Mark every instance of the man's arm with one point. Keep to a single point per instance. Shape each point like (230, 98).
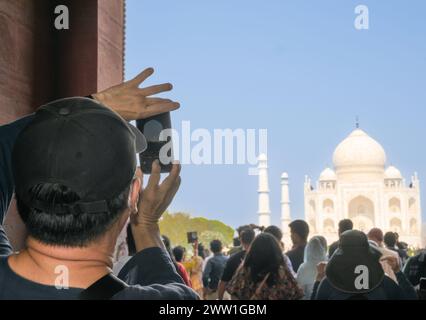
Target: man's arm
(221, 289)
(206, 274)
(5, 247)
(151, 266)
(407, 288)
(8, 135)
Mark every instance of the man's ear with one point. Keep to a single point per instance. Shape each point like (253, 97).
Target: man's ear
(134, 194)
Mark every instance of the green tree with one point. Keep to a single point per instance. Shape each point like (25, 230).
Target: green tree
(177, 225)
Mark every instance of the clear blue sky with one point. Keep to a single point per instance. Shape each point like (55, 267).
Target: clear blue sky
(298, 68)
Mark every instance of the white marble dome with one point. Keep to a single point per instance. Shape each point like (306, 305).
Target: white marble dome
(328, 175)
(393, 173)
(359, 150)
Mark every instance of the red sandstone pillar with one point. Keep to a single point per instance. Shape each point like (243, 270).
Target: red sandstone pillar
(39, 63)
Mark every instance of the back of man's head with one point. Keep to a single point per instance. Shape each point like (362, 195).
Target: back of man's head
(216, 246)
(178, 253)
(242, 228)
(73, 167)
(275, 231)
(376, 235)
(68, 229)
(300, 228)
(390, 239)
(201, 251)
(247, 237)
(345, 225)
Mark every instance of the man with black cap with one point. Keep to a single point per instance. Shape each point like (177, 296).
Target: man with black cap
(355, 273)
(74, 169)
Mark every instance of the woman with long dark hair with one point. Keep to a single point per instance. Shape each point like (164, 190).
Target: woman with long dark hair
(264, 275)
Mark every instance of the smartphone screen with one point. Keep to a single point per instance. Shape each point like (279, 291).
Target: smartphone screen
(160, 147)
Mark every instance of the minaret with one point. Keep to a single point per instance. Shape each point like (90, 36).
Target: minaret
(285, 209)
(264, 210)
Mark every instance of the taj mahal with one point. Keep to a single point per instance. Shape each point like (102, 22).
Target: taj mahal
(360, 186)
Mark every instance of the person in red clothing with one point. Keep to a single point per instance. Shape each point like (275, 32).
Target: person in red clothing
(179, 254)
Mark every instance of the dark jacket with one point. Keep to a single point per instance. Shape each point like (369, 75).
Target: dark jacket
(387, 290)
(415, 268)
(8, 134)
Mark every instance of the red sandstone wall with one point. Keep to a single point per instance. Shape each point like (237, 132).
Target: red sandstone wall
(111, 27)
(16, 54)
(39, 63)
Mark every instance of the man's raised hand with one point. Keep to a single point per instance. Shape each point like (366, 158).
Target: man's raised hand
(156, 197)
(132, 102)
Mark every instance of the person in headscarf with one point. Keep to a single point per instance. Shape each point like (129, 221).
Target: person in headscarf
(315, 253)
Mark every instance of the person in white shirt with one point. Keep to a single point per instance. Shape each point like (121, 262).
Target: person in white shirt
(375, 238)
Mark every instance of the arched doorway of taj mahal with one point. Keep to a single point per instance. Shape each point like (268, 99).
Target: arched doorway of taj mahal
(361, 212)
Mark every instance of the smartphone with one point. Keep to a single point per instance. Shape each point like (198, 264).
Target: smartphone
(159, 142)
(192, 237)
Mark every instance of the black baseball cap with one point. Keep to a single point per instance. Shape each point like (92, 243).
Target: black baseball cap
(81, 144)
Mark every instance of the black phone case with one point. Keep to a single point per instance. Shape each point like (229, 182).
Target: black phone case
(154, 146)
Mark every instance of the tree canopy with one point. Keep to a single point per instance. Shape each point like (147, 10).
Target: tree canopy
(177, 225)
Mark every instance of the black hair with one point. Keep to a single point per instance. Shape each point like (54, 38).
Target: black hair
(345, 225)
(242, 228)
(264, 256)
(275, 231)
(247, 236)
(69, 230)
(390, 239)
(178, 252)
(167, 244)
(201, 251)
(301, 228)
(216, 246)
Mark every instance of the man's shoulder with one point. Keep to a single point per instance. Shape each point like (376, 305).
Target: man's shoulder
(325, 289)
(219, 257)
(416, 261)
(386, 251)
(237, 256)
(171, 291)
(11, 130)
(235, 259)
(295, 251)
(334, 245)
(290, 253)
